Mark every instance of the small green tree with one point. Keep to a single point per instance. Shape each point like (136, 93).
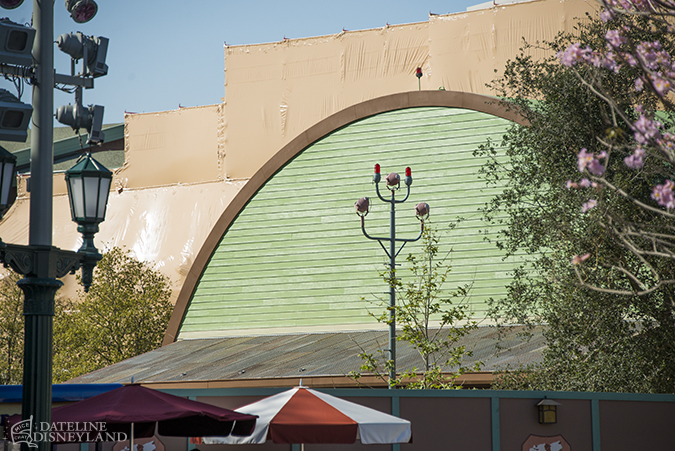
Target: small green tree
(11, 329)
(124, 314)
(430, 320)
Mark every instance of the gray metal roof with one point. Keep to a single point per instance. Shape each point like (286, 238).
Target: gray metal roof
(306, 355)
(68, 146)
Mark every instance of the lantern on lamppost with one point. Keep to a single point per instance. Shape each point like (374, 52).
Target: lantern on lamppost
(362, 206)
(88, 189)
(28, 53)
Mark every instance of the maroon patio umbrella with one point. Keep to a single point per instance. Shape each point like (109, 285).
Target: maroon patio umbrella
(140, 409)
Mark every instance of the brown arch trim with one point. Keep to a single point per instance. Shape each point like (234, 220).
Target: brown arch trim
(449, 99)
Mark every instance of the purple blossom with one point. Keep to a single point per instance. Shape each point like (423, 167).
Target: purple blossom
(630, 59)
(576, 260)
(661, 85)
(653, 56)
(596, 168)
(584, 158)
(614, 38)
(646, 129)
(592, 203)
(667, 141)
(574, 54)
(639, 84)
(606, 15)
(633, 161)
(587, 160)
(663, 194)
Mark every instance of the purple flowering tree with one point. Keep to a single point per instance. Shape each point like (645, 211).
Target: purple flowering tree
(634, 47)
(584, 200)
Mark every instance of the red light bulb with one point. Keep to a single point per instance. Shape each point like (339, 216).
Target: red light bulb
(377, 168)
(408, 172)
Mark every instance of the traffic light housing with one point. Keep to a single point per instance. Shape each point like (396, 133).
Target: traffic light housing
(93, 51)
(14, 117)
(16, 43)
(89, 118)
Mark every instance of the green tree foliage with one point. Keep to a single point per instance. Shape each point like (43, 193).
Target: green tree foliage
(124, 314)
(428, 319)
(609, 321)
(11, 330)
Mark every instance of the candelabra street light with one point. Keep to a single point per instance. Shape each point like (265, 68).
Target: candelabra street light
(362, 206)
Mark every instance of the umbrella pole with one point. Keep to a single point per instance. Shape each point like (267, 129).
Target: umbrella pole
(131, 438)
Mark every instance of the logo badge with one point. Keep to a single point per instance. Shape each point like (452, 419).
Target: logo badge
(21, 432)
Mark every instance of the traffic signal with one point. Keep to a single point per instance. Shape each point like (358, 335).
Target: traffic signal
(89, 118)
(93, 51)
(14, 117)
(16, 43)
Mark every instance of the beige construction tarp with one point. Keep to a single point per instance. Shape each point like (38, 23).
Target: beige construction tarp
(184, 166)
(275, 91)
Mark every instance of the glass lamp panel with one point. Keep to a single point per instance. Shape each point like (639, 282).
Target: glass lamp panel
(7, 173)
(90, 196)
(548, 414)
(103, 192)
(77, 196)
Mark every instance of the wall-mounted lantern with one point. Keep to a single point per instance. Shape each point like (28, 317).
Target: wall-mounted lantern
(548, 411)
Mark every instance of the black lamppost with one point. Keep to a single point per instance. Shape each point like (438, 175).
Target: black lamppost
(362, 206)
(41, 263)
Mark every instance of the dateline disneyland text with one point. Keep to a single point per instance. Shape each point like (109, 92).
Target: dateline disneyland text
(63, 432)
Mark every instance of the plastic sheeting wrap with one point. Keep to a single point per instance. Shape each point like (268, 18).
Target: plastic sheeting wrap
(165, 226)
(276, 91)
(467, 48)
(180, 146)
(183, 167)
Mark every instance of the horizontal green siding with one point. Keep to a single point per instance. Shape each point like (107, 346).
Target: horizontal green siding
(296, 256)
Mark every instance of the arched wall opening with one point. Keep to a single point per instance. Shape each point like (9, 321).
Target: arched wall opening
(287, 255)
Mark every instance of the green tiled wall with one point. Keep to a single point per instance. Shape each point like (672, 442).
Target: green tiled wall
(296, 257)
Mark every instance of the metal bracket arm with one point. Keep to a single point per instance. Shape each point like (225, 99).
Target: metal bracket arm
(392, 200)
(71, 80)
(61, 79)
(380, 239)
(39, 261)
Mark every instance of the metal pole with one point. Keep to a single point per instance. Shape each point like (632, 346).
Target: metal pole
(42, 132)
(40, 286)
(362, 206)
(392, 292)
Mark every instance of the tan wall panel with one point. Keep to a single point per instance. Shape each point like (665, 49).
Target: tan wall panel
(467, 48)
(279, 90)
(276, 91)
(179, 146)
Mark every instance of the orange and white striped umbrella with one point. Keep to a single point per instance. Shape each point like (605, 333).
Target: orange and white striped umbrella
(303, 415)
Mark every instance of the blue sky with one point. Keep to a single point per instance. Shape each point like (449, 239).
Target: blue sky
(166, 53)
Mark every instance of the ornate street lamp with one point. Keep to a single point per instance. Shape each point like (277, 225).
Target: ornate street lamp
(362, 207)
(88, 189)
(41, 263)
